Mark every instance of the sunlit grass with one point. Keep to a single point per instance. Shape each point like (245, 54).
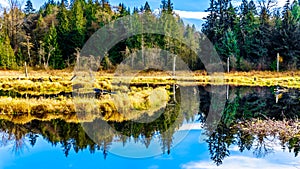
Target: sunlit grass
(118, 107)
(61, 81)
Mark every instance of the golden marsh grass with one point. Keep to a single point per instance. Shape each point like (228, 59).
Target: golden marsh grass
(61, 80)
(119, 107)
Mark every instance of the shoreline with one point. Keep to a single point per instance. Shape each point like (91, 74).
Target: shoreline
(61, 80)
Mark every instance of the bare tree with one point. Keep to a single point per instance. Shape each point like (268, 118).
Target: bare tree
(28, 45)
(41, 53)
(15, 19)
(46, 62)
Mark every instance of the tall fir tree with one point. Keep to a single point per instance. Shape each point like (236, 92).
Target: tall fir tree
(63, 31)
(167, 6)
(209, 27)
(289, 44)
(7, 56)
(28, 7)
(147, 7)
(52, 49)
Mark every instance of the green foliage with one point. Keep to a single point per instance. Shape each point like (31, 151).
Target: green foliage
(52, 48)
(76, 35)
(147, 7)
(167, 6)
(29, 7)
(230, 47)
(250, 35)
(257, 36)
(7, 57)
(231, 110)
(63, 31)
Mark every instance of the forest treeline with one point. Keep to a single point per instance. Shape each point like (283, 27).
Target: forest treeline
(251, 34)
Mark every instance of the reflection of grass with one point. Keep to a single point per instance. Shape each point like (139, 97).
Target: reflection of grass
(119, 107)
(149, 101)
(285, 129)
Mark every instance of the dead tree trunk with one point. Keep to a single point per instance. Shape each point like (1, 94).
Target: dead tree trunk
(26, 71)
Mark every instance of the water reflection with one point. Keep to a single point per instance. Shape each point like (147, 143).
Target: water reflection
(247, 103)
(242, 103)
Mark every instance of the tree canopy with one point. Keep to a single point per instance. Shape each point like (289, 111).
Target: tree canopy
(250, 34)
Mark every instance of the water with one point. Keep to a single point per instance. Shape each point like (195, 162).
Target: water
(169, 141)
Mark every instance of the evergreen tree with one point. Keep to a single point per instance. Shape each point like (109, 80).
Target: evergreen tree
(147, 7)
(77, 16)
(244, 7)
(91, 20)
(288, 46)
(122, 10)
(231, 17)
(221, 17)
(7, 57)
(209, 28)
(190, 56)
(63, 18)
(135, 10)
(63, 32)
(261, 46)
(167, 6)
(48, 8)
(90, 13)
(29, 7)
(247, 26)
(77, 33)
(231, 49)
(54, 57)
(252, 7)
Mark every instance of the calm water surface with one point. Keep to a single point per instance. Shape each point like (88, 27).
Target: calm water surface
(169, 141)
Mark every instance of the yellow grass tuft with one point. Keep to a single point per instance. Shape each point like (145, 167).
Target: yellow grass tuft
(119, 107)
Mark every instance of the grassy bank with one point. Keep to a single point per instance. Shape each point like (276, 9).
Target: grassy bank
(118, 107)
(61, 80)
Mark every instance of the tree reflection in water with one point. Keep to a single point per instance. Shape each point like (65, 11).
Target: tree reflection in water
(243, 104)
(73, 136)
(246, 104)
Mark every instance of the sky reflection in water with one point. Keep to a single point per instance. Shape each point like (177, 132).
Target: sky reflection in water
(191, 153)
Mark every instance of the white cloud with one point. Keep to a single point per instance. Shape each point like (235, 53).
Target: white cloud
(3, 3)
(156, 11)
(192, 126)
(237, 3)
(191, 14)
(240, 162)
(281, 3)
(275, 161)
